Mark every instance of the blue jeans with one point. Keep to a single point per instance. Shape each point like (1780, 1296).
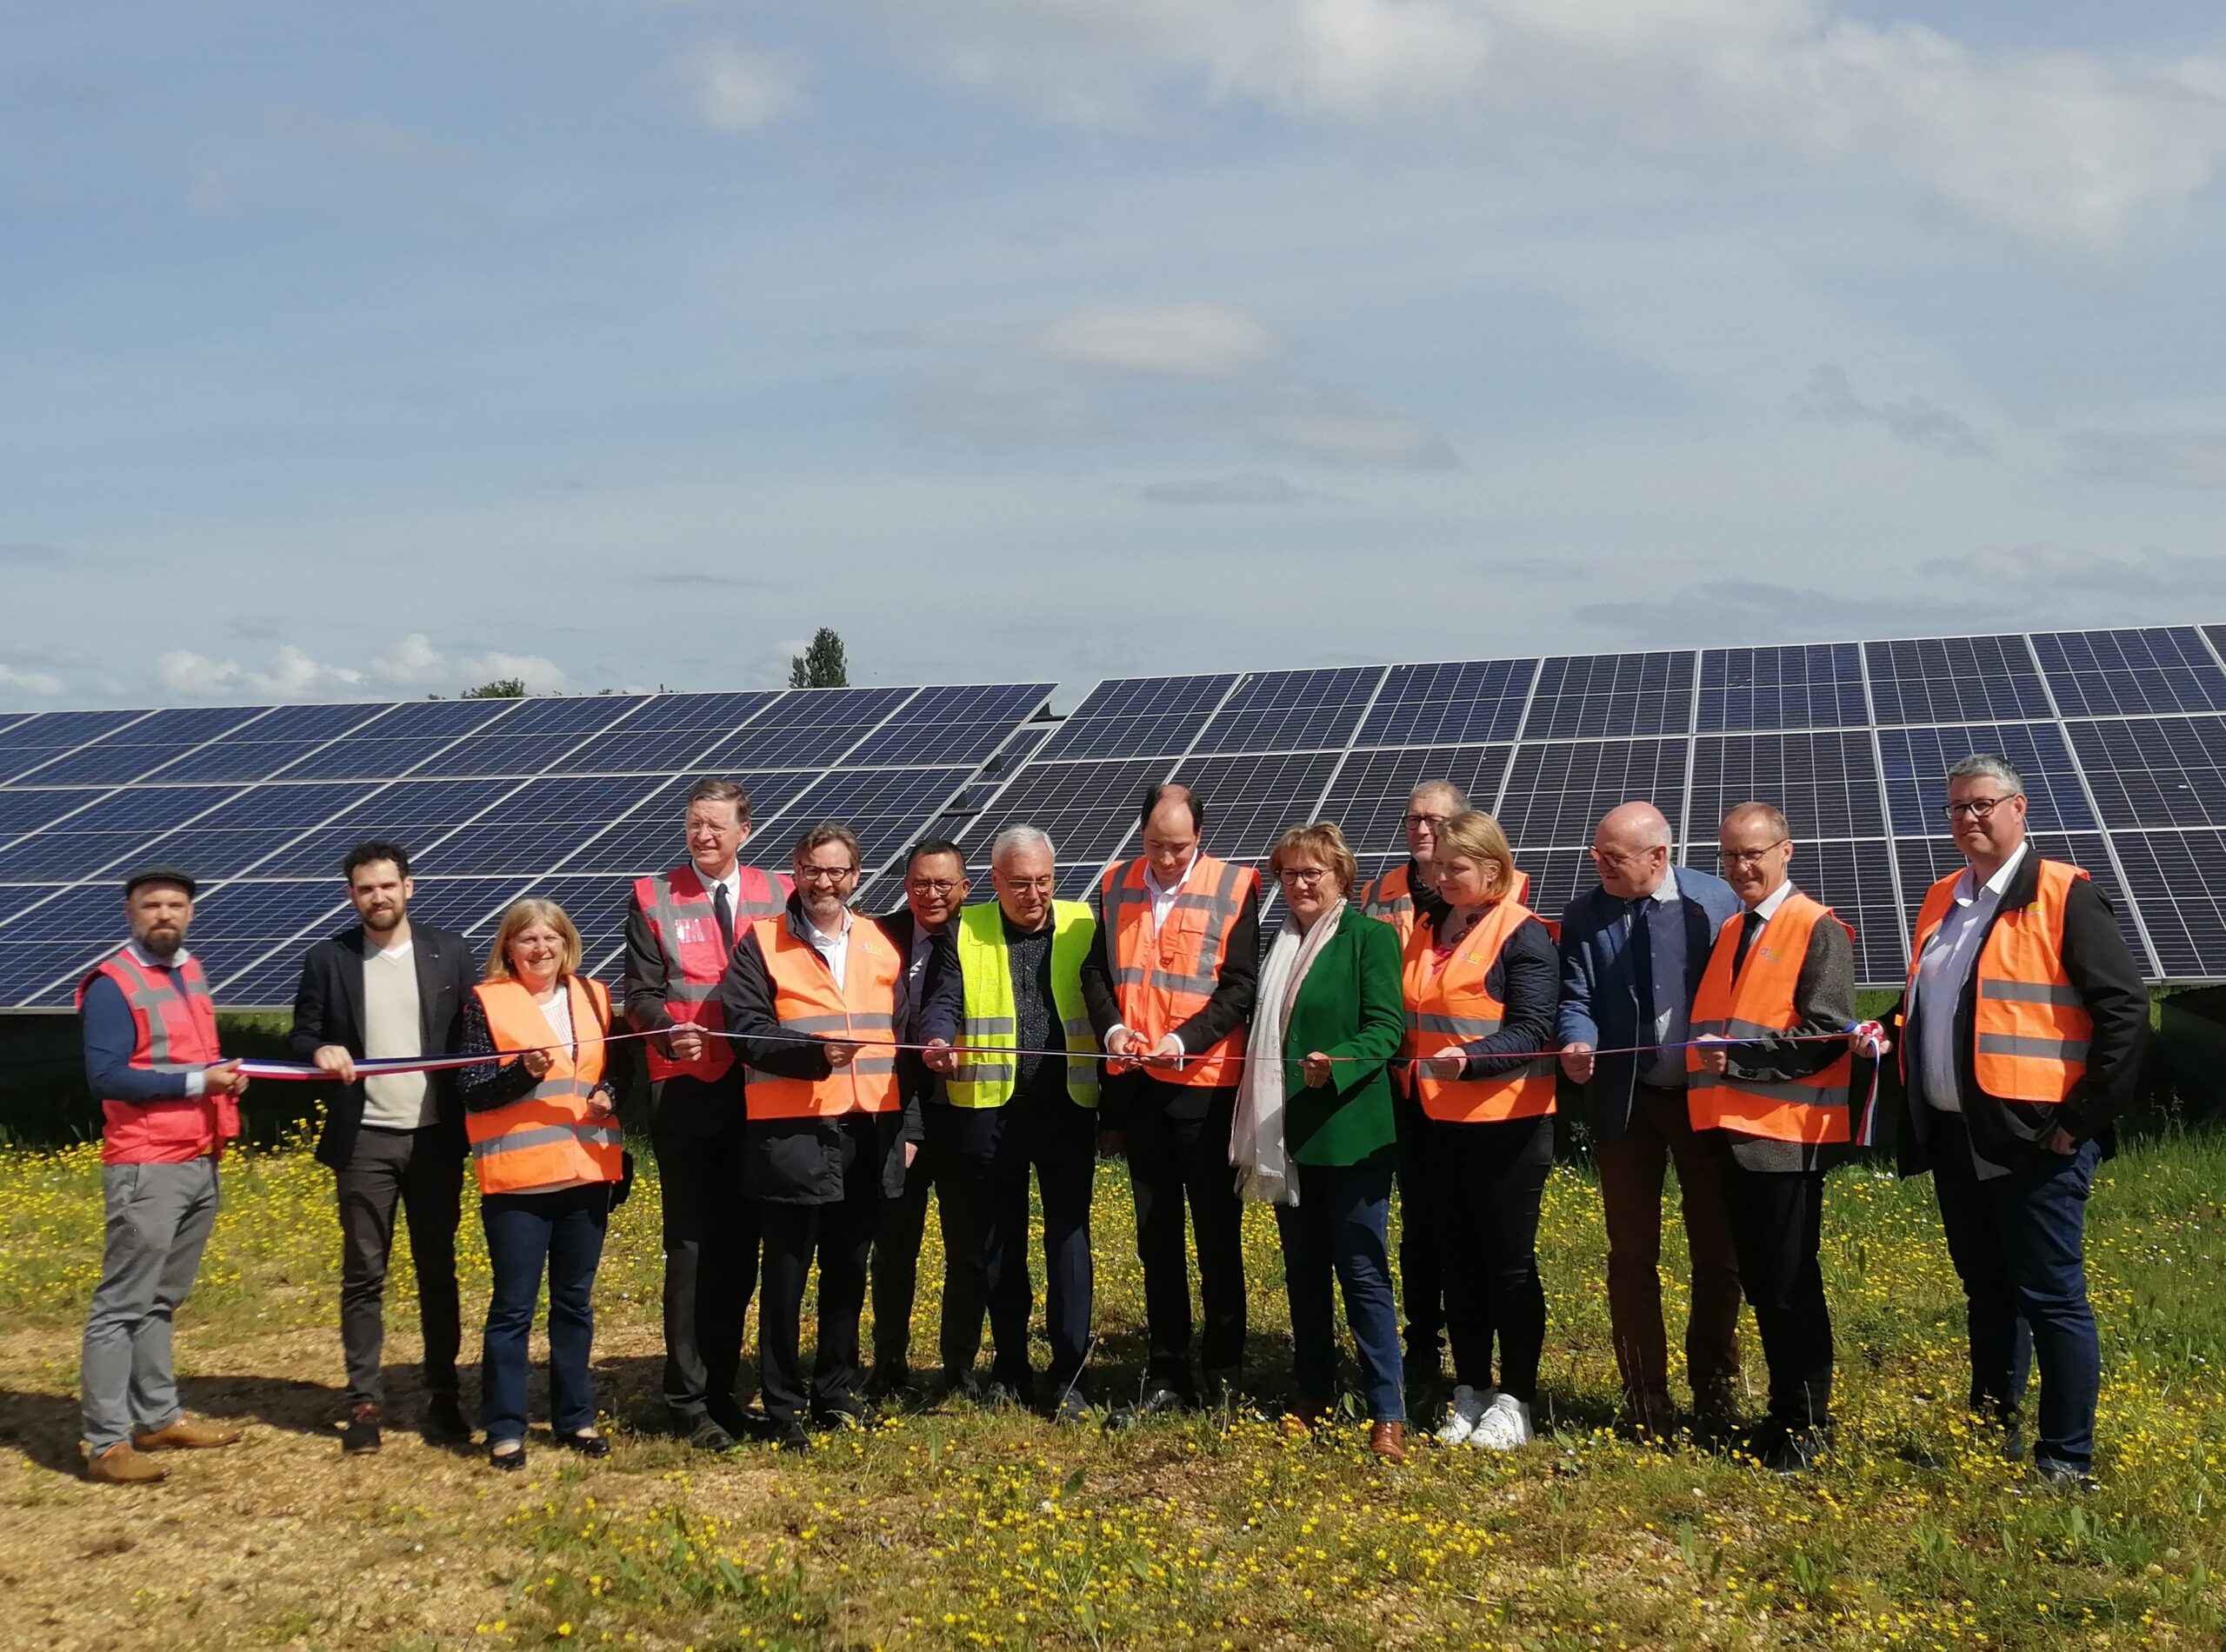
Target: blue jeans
(523, 1230)
(2019, 1245)
(1341, 1222)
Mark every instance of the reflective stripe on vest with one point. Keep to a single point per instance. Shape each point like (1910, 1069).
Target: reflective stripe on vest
(174, 1020)
(985, 969)
(545, 1138)
(1448, 1003)
(1162, 977)
(2029, 1026)
(685, 923)
(806, 1002)
(1390, 899)
(1758, 1004)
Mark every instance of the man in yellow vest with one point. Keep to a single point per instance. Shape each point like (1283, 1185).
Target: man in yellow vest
(1015, 1106)
(1782, 971)
(2021, 1026)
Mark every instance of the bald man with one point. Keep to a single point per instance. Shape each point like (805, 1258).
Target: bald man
(1633, 949)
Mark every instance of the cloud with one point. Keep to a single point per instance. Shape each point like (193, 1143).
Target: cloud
(43, 683)
(1340, 430)
(735, 89)
(1179, 341)
(1243, 488)
(2070, 150)
(27, 553)
(2158, 458)
(1828, 396)
(413, 663)
(293, 675)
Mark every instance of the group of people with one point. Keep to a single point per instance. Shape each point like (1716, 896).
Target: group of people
(819, 1077)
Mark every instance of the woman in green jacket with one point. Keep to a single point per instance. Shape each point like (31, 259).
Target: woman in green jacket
(1314, 1131)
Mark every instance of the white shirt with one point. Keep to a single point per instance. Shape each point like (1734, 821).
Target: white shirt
(835, 948)
(394, 1025)
(1944, 967)
(1163, 902)
(1665, 939)
(196, 1082)
(731, 883)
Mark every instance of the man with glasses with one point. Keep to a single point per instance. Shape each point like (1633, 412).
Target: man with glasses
(1767, 1090)
(936, 885)
(1632, 950)
(814, 998)
(2020, 1034)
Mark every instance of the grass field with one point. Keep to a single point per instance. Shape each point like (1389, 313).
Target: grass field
(955, 1528)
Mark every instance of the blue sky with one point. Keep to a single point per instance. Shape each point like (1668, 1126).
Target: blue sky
(371, 352)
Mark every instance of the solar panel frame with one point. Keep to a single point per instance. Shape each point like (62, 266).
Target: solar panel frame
(1251, 798)
(2150, 772)
(1916, 761)
(1138, 718)
(2128, 672)
(1369, 798)
(1620, 696)
(1825, 781)
(1449, 702)
(2178, 881)
(1801, 685)
(1954, 680)
(1552, 794)
(1291, 711)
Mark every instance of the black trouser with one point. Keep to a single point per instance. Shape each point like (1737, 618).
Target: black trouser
(841, 1234)
(1422, 1288)
(422, 1172)
(993, 1149)
(896, 1257)
(1776, 1225)
(1487, 1181)
(1174, 1157)
(711, 1239)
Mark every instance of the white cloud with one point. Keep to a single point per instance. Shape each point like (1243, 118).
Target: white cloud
(1243, 488)
(413, 663)
(735, 89)
(293, 676)
(42, 683)
(1178, 340)
(1341, 430)
(2158, 458)
(1828, 396)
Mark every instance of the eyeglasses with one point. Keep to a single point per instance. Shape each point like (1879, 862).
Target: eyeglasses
(1977, 807)
(1604, 857)
(1048, 881)
(1303, 874)
(934, 885)
(1431, 821)
(824, 874)
(1747, 856)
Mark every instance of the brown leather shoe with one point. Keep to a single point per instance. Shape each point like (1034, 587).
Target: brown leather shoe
(1388, 1441)
(188, 1434)
(121, 1465)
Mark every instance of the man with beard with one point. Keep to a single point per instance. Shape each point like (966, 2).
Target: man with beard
(386, 988)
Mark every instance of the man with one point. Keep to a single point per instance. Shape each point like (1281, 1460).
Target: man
(1771, 1097)
(383, 988)
(1402, 897)
(1021, 962)
(1633, 949)
(1168, 983)
(2022, 1028)
(814, 998)
(936, 885)
(169, 1104)
(681, 927)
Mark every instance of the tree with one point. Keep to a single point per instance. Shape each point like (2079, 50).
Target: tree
(503, 688)
(824, 665)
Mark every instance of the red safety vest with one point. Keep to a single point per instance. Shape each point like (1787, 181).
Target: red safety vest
(2030, 1025)
(1759, 1002)
(1448, 1003)
(806, 1000)
(546, 1138)
(176, 1021)
(1162, 977)
(681, 919)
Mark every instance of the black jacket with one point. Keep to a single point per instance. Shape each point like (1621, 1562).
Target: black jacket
(926, 986)
(799, 1160)
(329, 1010)
(2102, 970)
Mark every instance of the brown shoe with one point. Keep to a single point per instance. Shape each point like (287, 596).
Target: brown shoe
(188, 1434)
(1303, 1418)
(121, 1465)
(1388, 1441)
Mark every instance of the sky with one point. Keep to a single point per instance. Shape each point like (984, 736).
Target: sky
(373, 351)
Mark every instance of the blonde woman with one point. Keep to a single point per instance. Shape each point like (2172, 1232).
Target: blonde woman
(546, 1147)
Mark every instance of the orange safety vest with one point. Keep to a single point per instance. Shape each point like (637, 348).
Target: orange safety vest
(806, 1000)
(176, 1023)
(1757, 1003)
(1448, 1003)
(1391, 899)
(1162, 977)
(545, 1138)
(2030, 1025)
(678, 906)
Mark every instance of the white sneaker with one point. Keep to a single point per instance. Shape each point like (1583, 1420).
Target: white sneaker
(1461, 1416)
(1504, 1425)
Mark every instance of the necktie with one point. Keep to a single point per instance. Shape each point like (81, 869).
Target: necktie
(723, 909)
(1749, 927)
(1642, 946)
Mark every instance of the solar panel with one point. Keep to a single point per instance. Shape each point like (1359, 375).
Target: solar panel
(2112, 673)
(105, 834)
(1856, 880)
(1924, 861)
(1809, 686)
(1917, 760)
(882, 806)
(1291, 711)
(952, 724)
(536, 827)
(1250, 800)
(1612, 694)
(2156, 771)
(447, 718)
(364, 757)
(1454, 702)
(1088, 808)
(418, 813)
(2180, 880)
(247, 828)
(649, 838)
(1369, 798)
(1556, 794)
(1827, 784)
(1138, 718)
(1955, 679)
(1558, 876)
(26, 811)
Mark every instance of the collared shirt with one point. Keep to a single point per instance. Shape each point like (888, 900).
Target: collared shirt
(1947, 964)
(1665, 938)
(916, 966)
(197, 1081)
(1766, 908)
(1163, 895)
(835, 948)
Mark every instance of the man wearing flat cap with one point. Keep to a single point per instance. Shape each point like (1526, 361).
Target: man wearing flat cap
(169, 1104)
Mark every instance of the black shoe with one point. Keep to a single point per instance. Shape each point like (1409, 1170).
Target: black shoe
(838, 1415)
(965, 1386)
(887, 1380)
(444, 1422)
(1222, 1392)
(2061, 1476)
(708, 1435)
(1794, 1450)
(790, 1437)
(509, 1462)
(1158, 1401)
(587, 1445)
(363, 1435)
(1072, 1408)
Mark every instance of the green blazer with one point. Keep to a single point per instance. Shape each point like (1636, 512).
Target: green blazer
(1350, 1004)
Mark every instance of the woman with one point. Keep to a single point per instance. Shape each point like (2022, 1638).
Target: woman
(546, 1146)
(1314, 1131)
(1481, 980)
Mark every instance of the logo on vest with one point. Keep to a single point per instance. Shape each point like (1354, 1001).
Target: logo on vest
(694, 932)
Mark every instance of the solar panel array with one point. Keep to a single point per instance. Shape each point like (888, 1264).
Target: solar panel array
(2120, 735)
(572, 798)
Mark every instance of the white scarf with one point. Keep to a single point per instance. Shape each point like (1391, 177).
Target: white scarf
(1255, 1142)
